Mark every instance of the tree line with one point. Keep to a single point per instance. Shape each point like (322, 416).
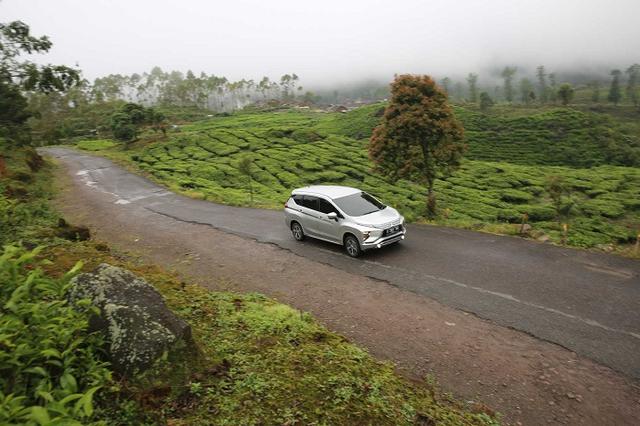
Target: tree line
(544, 89)
(175, 88)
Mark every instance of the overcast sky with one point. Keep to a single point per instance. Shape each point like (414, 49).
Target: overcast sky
(329, 40)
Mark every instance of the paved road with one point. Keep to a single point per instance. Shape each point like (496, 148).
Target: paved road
(586, 302)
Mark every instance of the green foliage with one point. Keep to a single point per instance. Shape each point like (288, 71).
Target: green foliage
(15, 40)
(633, 84)
(560, 193)
(24, 210)
(507, 75)
(565, 92)
(485, 102)
(127, 121)
(556, 136)
(418, 138)
(472, 80)
(49, 367)
(246, 166)
(18, 76)
(615, 94)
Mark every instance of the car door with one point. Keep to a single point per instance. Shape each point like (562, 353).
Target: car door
(328, 228)
(310, 215)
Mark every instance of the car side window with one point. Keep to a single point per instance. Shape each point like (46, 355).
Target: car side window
(310, 202)
(326, 207)
(298, 199)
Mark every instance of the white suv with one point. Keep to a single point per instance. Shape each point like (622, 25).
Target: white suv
(343, 215)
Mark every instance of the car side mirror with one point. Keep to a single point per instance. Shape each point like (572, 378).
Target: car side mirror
(333, 216)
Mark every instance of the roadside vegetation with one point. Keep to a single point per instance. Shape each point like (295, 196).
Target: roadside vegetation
(502, 183)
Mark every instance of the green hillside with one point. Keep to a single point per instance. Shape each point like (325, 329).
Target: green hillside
(510, 158)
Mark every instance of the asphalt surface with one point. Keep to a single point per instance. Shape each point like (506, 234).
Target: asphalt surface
(586, 302)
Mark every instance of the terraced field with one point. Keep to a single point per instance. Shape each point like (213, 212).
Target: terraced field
(292, 149)
(555, 137)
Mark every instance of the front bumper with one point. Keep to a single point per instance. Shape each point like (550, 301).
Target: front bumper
(384, 241)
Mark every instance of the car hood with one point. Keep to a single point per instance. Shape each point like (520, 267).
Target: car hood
(381, 219)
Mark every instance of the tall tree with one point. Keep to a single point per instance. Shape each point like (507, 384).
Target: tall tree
(614, 91)
(19, 76)
(565, 92)
(507, 75)
(633, 84)
(419, 137)
(595, 91)
(458, 92)
(245, 167)
(553, 89)
(472, 79)
(527, 94)
(543, 94)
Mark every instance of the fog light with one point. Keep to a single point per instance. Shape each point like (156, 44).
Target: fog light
(379, 245)
(365, 235)
(403, 237)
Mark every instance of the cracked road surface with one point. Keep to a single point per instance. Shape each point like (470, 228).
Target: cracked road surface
(586, 302)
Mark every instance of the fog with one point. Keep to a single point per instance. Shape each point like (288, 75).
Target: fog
(332, 42)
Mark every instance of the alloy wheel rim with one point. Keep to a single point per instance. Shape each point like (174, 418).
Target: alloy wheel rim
(351, 247)
(296, 232)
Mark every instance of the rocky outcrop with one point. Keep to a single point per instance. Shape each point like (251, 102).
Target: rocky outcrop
(138, 326)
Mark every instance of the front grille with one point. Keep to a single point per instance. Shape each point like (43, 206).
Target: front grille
(392, 230)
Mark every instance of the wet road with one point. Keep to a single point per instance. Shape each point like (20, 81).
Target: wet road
(586, 302)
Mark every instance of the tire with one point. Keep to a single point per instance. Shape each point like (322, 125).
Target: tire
(352, 246)
(297, 231)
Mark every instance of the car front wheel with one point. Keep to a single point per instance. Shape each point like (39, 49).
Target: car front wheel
(297, 231)
(352, 246)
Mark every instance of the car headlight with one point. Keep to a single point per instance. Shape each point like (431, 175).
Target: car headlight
(374, 235)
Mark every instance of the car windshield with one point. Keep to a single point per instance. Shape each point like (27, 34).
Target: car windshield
(359, 204)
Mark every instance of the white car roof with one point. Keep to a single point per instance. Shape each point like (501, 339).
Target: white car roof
(331, 191)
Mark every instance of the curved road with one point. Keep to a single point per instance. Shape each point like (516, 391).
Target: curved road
(586, 302)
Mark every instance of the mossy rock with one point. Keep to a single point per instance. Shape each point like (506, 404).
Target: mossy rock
(138, 326)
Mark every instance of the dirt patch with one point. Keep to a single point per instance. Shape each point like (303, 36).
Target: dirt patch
(530, 381)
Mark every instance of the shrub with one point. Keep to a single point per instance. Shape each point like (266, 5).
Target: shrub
(49, 367)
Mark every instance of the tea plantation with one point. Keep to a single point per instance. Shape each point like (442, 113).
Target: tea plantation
(511, 155)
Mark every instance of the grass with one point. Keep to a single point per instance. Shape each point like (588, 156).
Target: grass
(512, 152)
(261, 362)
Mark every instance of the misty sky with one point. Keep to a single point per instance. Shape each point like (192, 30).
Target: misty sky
(331, 41)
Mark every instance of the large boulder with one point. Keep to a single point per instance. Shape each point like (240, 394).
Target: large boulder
(138, 326)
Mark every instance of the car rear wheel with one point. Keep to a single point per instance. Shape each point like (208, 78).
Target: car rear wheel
(352, 246)
(296, 230)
